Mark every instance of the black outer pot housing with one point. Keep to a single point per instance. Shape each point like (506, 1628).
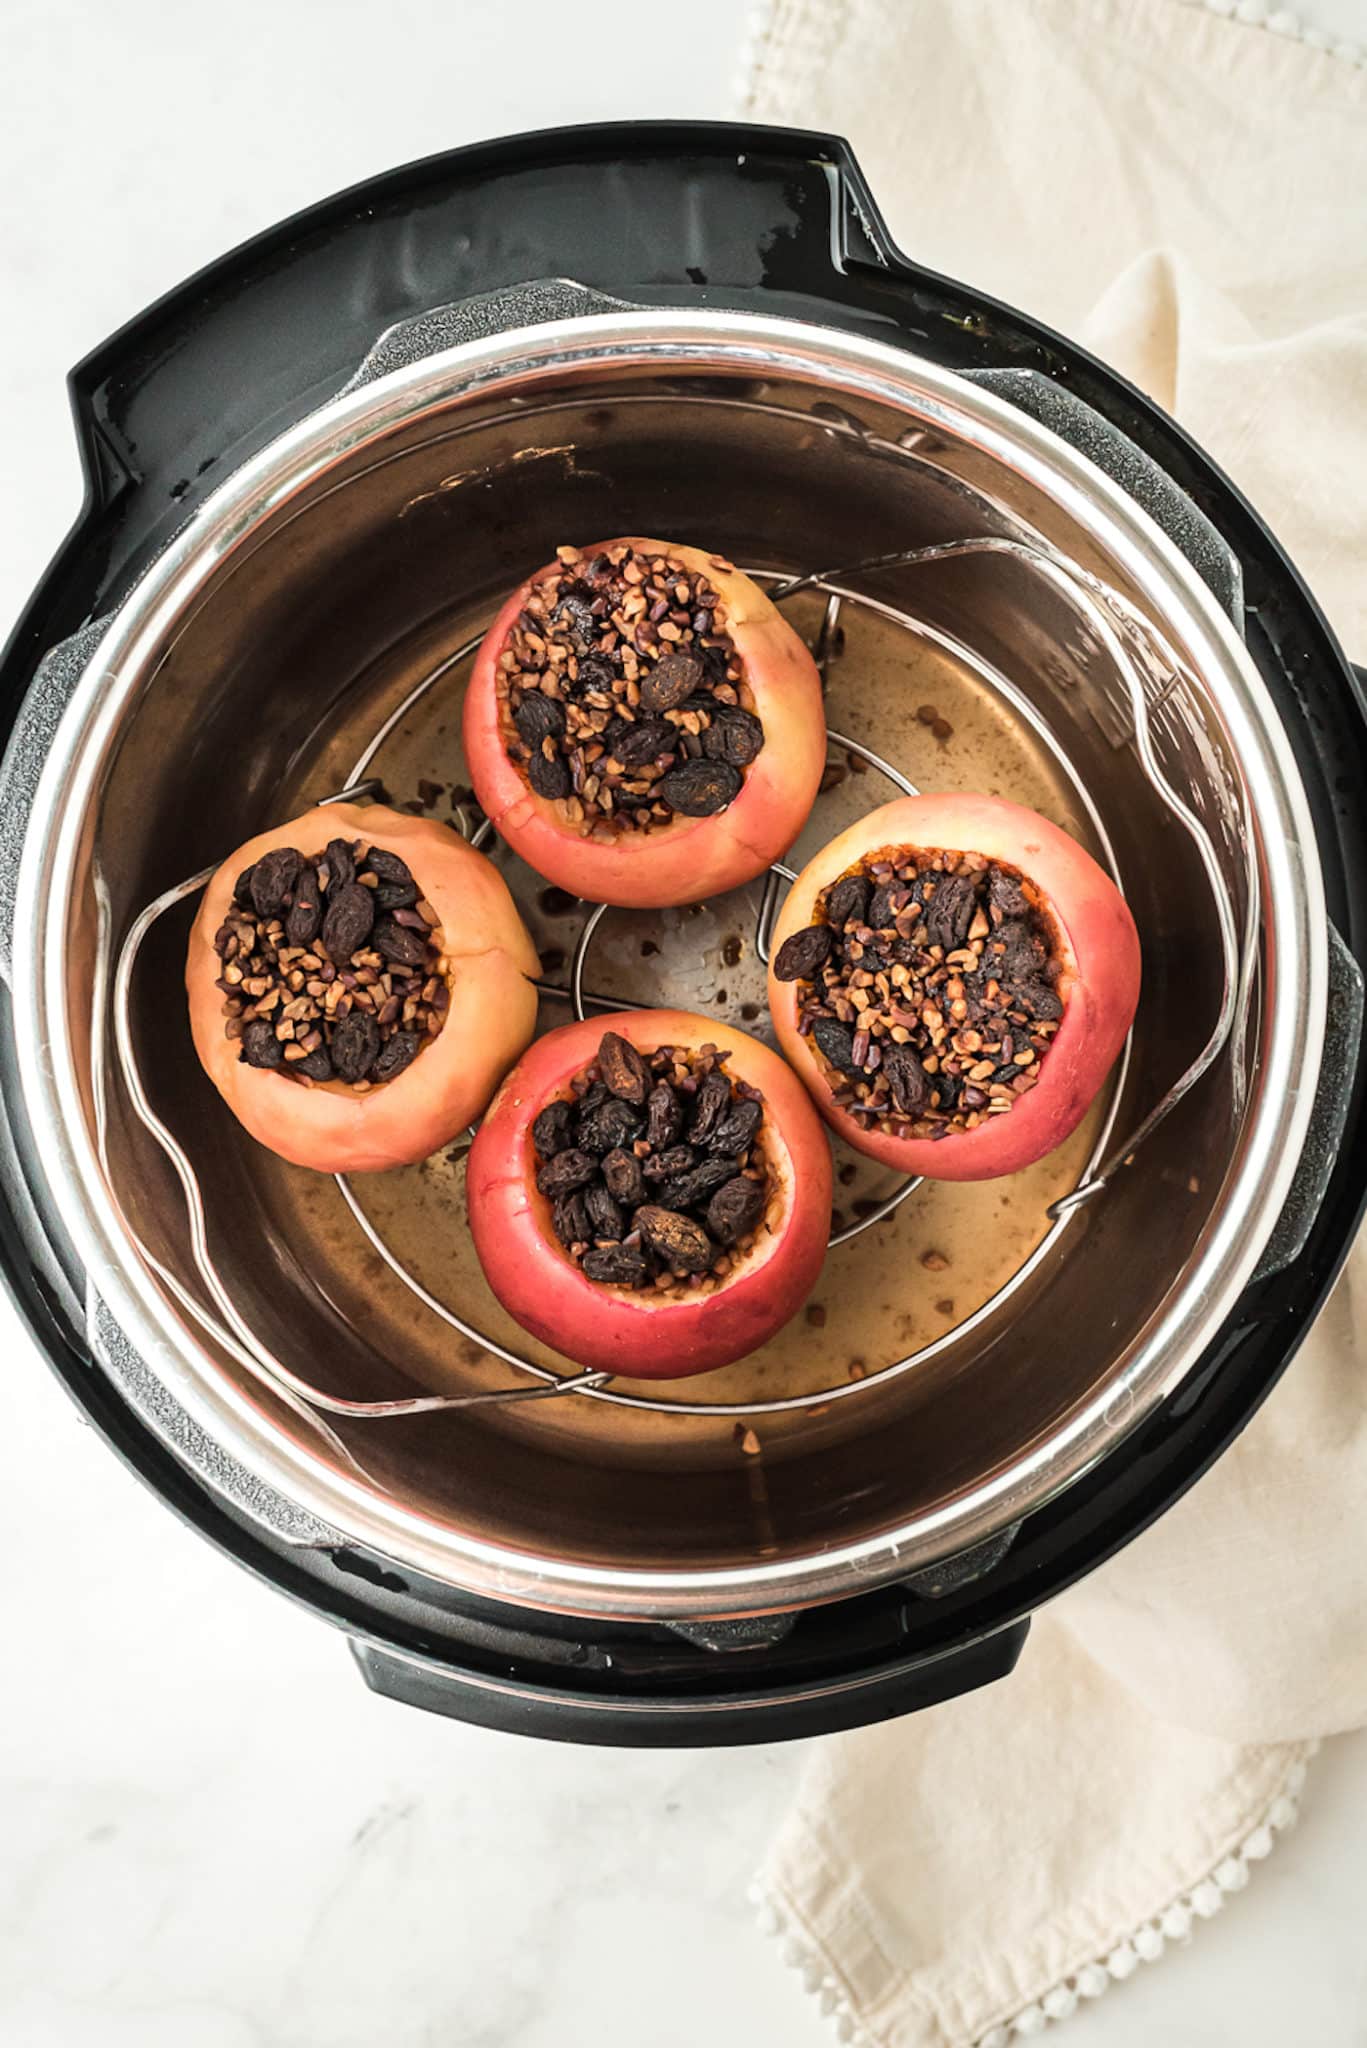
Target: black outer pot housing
(767, 220)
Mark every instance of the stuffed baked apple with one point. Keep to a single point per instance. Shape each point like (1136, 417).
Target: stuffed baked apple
(642, 725)
(359, 983)
(953, 978)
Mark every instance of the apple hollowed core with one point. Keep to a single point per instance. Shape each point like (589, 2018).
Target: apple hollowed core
(667, 1316)
(953, 978)
(634, 769)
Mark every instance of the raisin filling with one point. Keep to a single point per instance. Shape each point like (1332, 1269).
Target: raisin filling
(654, 1167)
(927, 986)
(623, 696)
(331, 965)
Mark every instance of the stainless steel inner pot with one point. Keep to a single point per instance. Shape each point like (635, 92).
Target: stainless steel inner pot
(249, 674)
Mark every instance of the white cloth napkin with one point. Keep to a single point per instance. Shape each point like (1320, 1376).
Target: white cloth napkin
(1188, 195)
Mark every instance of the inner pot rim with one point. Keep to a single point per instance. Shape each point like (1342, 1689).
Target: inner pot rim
(1265, 1155)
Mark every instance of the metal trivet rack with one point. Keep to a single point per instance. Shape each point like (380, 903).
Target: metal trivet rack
(1135, 649)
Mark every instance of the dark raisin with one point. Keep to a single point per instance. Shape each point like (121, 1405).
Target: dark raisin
(260, 1046)
(887, 899)
(620, 1265)
(273, 878)
(570, 1219)
(304, 919)
(315, 1066)
(674, 677)
(625, 799)
(635, 745)
(607, 1126)
(1038, 1000)
(698, 1183)
(341, 864)
(549, 778)
(623, 1177)
(802, 957)
(539, 717)
(710, 1103)
(355, 1046)
(949, 1088)
(604, 1215)
(951, 911)
(681, 1243)
(553, 1130)
(735, 1209)
(398, 943)
(836, 1041)
(348, 921)
(699, 789)
(737, 1130)
(226, 940)
(242, 889)
(395, 895)
(1005, 897)
(847, 901)
(388, 866)
(674, 1159)
(734, 736)
(664, 1116)
(594, 673)
(1014, 954)
(575, 620)
(623, 1070)
(907, 1078)
(568, 1170)
(396, 1053)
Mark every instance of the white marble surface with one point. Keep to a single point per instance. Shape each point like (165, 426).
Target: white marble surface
(210, 1835)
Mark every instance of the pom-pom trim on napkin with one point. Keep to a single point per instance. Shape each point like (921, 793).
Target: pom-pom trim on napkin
(763, 56)
(1144, 1944)
(1280, 21)
(800, 1953)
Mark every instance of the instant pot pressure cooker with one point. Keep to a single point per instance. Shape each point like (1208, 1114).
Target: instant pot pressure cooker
(313, 473)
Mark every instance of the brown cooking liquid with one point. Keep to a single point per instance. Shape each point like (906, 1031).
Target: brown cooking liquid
(882, 1296)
